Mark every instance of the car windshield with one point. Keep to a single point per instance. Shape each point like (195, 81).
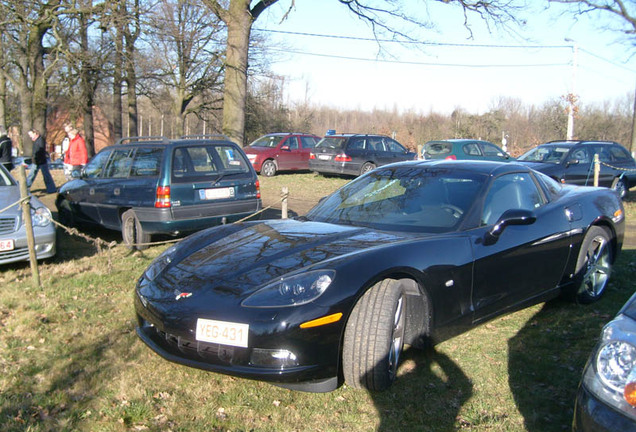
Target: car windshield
(266, 141)
(403, 198)
(545, 153)
(331, 142)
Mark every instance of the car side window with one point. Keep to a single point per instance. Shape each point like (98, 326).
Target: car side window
(393, 146)
(292, 142)
(356, 144)
(619, 153)
(472, 149)
(95, 166)
(146, 162)
(375, 143)
(510, 191)
(119, 164)
(491, 150)
(581, 154)
(308, 142)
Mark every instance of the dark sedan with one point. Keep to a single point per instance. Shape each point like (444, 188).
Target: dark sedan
(573, 162)
(411, 253)
(606, 400)
(356, 154)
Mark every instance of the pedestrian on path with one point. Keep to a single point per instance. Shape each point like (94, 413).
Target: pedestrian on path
(39, 162)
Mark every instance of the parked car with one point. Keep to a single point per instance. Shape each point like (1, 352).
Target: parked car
(13, 236)
(463, 149)
(572, 162)
(606, 399)
(353, 154)
(281, 152)
(145, 186)
(410, 253)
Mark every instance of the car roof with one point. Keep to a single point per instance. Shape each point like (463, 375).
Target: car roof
(161, 140)
(572, 143)
(493, 168)
(289, 133)
(459, 140)
(348, 135)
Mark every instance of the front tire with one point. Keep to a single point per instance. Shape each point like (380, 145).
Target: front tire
(374, 337)
(594, 265)
(620, 187)
(268, 169)
(132, 232)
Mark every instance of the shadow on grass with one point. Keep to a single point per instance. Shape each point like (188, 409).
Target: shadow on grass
(428, 397)
(547, 356)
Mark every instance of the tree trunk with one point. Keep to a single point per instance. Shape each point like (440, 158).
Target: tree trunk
(239, 25)
(86, 88)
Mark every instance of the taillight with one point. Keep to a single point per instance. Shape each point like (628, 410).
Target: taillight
(258, 189)
(451, 157)
(312, 156)
(163, 197)
(342, 157)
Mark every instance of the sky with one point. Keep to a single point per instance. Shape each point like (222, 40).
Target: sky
(321, 51)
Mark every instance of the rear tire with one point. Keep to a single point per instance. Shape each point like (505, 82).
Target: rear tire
(594, 265)
(366, 167)
(374, 337)
(132, 232)
(268, 169)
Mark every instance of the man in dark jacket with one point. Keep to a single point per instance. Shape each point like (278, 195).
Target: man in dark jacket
(39, 162)
(6, 158)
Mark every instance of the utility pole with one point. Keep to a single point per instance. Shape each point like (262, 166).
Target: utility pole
(632, 145)
(572, 98)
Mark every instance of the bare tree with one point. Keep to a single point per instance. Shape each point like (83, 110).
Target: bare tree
(188, 57)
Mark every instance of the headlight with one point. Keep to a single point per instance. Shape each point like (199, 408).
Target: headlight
(160, 263)
(292, 291)
(40, 216)
(611, 373)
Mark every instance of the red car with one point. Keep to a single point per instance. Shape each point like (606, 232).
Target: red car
(281, 152)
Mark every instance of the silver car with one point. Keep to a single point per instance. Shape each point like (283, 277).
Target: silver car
(13, 236)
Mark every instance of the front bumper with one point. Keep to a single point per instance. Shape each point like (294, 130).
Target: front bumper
(593, 415)
(45, 245)
(317, 350)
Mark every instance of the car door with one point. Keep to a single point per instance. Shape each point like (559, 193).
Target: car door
(289, 154)
(607, 167)
(394, 151)
(525, 261)
(492, 152)
(577, 166)
(307, 144)
(108, 193)
(82, 198)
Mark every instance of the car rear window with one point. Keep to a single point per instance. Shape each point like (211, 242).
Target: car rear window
(434, 149)
(196, 163)
(332, 143)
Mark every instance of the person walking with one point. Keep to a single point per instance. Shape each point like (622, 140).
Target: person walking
(76, 154)
(39, 162)
(6, 147)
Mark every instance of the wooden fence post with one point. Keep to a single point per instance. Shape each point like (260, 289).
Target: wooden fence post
(283, 210)
(597, 169)
(28, 225)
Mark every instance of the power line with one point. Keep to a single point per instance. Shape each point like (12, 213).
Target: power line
(375, 60)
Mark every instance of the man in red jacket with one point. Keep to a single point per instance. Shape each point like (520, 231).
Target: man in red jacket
(76, 154)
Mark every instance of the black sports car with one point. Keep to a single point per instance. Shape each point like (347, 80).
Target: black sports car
(410, 253)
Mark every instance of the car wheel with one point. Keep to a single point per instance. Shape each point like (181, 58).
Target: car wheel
(269, 168)
(593, 266)
(374, 337)
(620, 187)
(366, 167)
(65, 214)
(132, 232)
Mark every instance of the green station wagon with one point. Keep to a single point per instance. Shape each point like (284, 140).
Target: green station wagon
(148, 185)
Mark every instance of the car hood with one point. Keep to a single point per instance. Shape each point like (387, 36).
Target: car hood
(10, 195)
(539, 166)
(236, 261)
(629, 309)
(258, 150)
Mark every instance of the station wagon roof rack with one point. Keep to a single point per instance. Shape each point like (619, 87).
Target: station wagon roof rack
(206, 136)
(144, 140)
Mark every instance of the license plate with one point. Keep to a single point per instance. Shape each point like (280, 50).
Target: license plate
(218, 193)
(222, 332)
(6, 245)
(324, 157)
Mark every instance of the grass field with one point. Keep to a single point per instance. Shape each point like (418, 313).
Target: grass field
(70, 359)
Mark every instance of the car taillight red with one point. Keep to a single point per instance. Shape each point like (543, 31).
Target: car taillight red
(163, 197)
(451, 157)
(342, 157)
(312, 156)
(258, 189)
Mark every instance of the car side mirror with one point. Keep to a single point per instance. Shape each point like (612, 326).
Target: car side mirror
(285, 148)
(510, 217)
(573, 162)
